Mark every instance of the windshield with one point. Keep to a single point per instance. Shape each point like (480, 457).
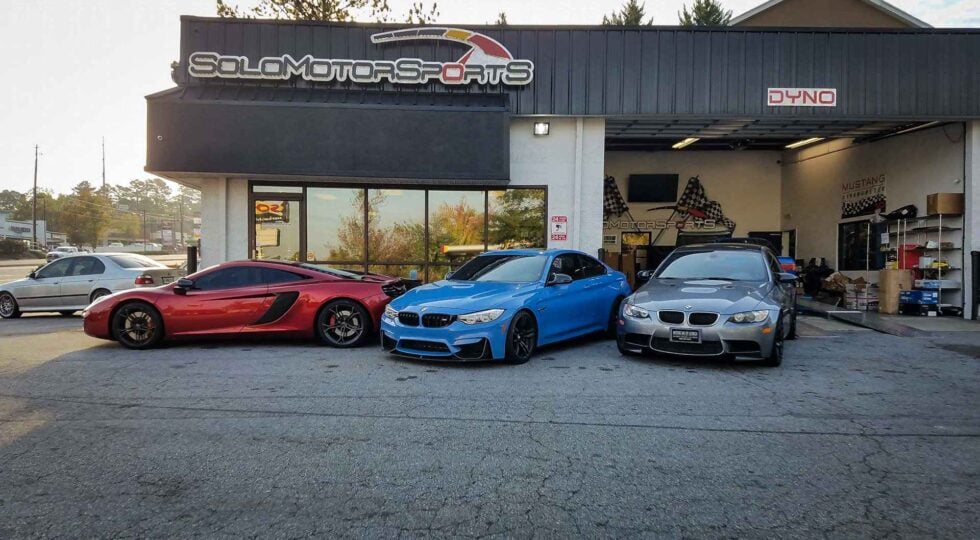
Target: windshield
(721, 264)
(135, 261)
(503, 268)
(332, 271)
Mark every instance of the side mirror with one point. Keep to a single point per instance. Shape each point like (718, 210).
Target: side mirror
(32, 275)
(449, 275)
(559, 279)
(786, 277)
(643, 276)
(183, 285)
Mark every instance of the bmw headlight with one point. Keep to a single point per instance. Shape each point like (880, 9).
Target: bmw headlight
(480, 316)
(636, 312)
(750, 316)
(390, 312)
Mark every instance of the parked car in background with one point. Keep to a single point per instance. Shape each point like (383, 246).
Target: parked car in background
(502, 305)
(712, 300)
(73, 281)
(337, 307)
(61, 251)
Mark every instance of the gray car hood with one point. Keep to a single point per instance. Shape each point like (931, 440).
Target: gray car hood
(712, 295)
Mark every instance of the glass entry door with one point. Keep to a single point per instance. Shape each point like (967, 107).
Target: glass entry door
(277, 229)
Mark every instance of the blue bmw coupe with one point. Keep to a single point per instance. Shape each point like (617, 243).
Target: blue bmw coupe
(503, 304)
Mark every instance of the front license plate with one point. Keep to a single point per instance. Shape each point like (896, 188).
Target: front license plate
(683, 335)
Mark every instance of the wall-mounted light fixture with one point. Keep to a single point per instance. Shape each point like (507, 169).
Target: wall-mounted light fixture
(686, 142)
(541, 129)
(804, 142)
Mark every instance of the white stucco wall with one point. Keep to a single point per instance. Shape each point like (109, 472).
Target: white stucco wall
(971, 223)
(569, 161)
(224, 220)
(746, 184)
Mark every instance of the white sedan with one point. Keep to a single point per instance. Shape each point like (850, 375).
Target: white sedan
(72, 282)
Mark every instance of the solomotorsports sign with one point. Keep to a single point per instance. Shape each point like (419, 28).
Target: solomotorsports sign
(487, 62)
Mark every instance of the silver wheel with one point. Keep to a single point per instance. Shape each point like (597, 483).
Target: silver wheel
(343, 323)
(8, 306)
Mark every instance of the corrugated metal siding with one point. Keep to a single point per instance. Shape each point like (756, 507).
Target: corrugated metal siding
(668, 72)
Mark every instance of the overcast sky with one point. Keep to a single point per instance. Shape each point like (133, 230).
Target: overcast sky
(76, 71)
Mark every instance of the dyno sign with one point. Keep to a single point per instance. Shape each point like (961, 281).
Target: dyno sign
(801, 97)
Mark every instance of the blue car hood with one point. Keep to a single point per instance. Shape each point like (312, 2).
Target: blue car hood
(458, 297)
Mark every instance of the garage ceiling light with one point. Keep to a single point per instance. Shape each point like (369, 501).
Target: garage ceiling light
(541, 128)
(804, 142)
(686, 142)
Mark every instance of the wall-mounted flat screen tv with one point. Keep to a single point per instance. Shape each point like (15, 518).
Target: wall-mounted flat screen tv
(646, 188)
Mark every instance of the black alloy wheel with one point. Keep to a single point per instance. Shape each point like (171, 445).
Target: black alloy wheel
(8, 306)
(343, 324)
(775, 357)
(137, 326)
(522, 338)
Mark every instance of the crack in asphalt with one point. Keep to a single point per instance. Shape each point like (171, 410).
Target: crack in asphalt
(269, 413)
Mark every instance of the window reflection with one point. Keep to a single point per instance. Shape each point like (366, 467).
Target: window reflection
(335, 224)
(396, 225)
(276, 230)
(517, 218)
(456, 227)
(406, 271)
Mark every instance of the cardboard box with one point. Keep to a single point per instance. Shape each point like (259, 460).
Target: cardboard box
(944, 203)
(890, 283)
(919, 297)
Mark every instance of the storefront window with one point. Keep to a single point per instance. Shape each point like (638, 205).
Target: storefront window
(411, 233)
(407, 271)
(335, 225)
(456, 227)
(517, 218)
(277, 229)
(396, 226)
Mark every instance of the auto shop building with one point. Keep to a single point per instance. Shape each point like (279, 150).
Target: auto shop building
(406, 150)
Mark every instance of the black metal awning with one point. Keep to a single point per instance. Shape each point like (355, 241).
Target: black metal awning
(328, 135)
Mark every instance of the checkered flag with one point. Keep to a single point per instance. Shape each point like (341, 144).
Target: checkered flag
(694, 202)
(863, 207)
(613, 203)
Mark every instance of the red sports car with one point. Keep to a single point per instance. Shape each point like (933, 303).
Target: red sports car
(340, 308)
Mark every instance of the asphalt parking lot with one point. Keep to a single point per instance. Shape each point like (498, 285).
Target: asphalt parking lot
(858, 434)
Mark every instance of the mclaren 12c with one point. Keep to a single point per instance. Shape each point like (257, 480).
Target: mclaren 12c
(303, 300)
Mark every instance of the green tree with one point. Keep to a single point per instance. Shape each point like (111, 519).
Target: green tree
(517, 218)
(501, 19)
(326, 10)
(89, 215)
(10, 200)
(632, 13)
(705, 13)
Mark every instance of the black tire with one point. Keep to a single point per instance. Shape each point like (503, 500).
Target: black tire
(522, 338)
(343, 324)
(137, 325)
(8, 306)
(614, 317)
(792, 327)
(775, 358)
(66, 313)
(98, 293)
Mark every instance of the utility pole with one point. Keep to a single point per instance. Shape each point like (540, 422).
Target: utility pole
(34, 211)
(180, 212)
(103, 168)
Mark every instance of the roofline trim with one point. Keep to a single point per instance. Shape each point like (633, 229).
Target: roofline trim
(881, 5)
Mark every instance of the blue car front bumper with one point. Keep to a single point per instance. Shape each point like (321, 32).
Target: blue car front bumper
(457, 341)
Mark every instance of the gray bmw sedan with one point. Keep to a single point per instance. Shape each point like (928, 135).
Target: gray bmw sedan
(712, 300)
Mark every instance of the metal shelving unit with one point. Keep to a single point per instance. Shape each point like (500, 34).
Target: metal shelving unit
(939, 228)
